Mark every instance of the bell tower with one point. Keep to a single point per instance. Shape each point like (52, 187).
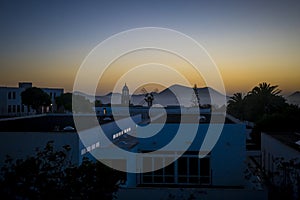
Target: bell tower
(125, 95)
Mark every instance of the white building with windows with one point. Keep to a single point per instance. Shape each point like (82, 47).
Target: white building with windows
(222, 166)
(218, 175)
(11, 102)
(20, 136)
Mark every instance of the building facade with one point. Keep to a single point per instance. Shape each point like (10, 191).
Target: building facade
(20, 137)
(281, 159)
(222, 166)
(11, 101)
(221, 170)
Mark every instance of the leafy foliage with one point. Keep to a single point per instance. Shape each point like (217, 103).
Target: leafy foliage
(285, 120)
(267, 108)
(35, 97)
(82, 104)
(262, 99)
(50, 175)
(236, 105)
(65, 101)
(284, 182)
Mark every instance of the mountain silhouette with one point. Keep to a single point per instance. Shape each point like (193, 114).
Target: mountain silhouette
(174, 95)
(294, 98)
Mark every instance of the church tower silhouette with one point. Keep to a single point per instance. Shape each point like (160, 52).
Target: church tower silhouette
(125, 95)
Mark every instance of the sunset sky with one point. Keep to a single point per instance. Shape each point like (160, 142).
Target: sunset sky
(45, 42)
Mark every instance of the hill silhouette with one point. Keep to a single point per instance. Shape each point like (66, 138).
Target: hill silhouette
(174, 95)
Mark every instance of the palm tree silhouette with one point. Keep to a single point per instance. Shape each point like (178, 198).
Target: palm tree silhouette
(266, 96)
(265, 89)
(262, 99)
(236, 105)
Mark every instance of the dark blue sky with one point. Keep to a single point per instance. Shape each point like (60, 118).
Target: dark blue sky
(44, 36)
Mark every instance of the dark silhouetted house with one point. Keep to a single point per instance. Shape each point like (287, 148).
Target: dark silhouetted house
(11, 101)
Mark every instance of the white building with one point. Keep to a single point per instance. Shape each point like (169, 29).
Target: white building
(11, 102)
(223, 165)
(21, 136)
(220, 174)
(284, 145)
(281, 158)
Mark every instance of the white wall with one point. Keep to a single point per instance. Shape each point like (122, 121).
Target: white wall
(227, 158)
(271, 148)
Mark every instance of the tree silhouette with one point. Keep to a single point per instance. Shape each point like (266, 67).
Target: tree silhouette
(236, 105)
(195, 97)
(265, 89)
(82, 105)
(285, 120)
(50, 175)
(264, 106)
(36, 98)
(263, 99)
(64, 102)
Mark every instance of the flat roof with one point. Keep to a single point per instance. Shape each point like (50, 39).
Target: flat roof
(57, 122)
(191, 118)
(49, 123)
(288, 138)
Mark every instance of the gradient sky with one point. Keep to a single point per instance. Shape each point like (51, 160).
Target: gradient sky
(250, 41)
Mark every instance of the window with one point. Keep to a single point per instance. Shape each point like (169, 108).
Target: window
(169, 171)
(193, 166)
(18, 108)
(51, 95)
(9, 109)
(88, 149)
(193, 177)
(83, 151)
(14, 108)
(182, 169)
(97, 144)
(182, 166)
(22, 108)
(147, 166)
(187, 170)
(204, 171)
(14, 95)
(158, 174)
(9, 95)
